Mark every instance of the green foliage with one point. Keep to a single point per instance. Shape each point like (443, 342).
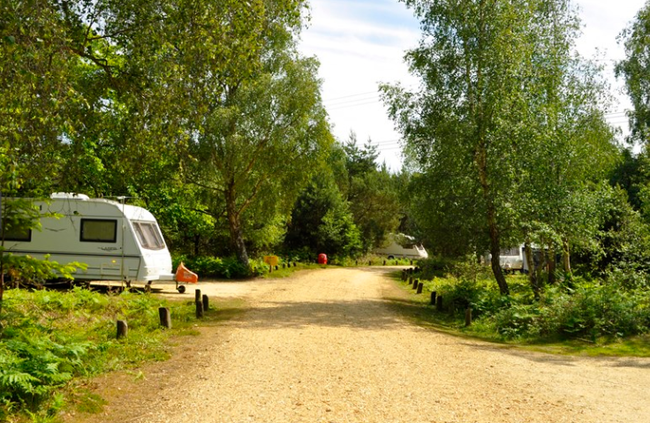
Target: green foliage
(371, 192)
(49, 338)
(321, 222)
(214, 267)
(577, 309)
(635, 68)
(434, 266)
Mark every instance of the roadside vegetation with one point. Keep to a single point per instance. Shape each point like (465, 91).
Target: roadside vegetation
(574, 315)
(52, 341)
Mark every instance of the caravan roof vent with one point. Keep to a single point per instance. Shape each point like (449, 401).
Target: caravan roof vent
(70, 195)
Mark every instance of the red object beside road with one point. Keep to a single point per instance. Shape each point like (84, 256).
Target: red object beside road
(322, 258)
(183, 274)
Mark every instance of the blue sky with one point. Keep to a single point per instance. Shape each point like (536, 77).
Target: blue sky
(361, 43)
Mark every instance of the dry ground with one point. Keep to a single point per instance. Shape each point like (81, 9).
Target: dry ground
(326, 346)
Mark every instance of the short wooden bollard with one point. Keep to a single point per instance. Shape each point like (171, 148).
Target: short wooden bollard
(410, 280)
(384, 262)
(411, 262)
(206, 303)
(370, 263)
(199, 309)
(439, 303)
(415, 283)
(294, 264)
(270, 269)
(276, 267)
(433, 298)
(468, 317)
(420, 287)
(165, 317)
(122, 329)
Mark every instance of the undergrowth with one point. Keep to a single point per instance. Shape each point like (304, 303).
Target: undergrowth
(48, 339)
(588, 311)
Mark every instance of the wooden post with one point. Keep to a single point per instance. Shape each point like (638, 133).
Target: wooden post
(199, 309)
(197, 296)
(276, 267)
(370, 263)
(165, 317)
(206, 303)
(415, 283)
(122, 329)
(411, 262)
(420, 286)
(468, 316)
(439, 303)
(384, 262)
(433, 297)
(270, 268)
(294, 264)
(410, 280)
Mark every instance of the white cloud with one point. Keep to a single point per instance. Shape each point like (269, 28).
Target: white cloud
(359, 45)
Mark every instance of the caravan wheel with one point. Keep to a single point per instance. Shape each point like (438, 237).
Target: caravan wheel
(181, 289)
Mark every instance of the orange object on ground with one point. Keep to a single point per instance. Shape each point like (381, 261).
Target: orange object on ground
(183, 274)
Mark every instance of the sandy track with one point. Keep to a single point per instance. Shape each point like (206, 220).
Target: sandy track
(324, 346)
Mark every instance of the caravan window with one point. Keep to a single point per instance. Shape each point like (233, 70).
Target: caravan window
(17, 234)
(98, 230)
(149, 235)
(510, 251)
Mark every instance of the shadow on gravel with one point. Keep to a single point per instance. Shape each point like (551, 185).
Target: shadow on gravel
(360, 314)
(561, 360)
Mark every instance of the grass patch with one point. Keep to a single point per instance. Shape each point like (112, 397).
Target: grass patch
(286, 271)
(51, 342)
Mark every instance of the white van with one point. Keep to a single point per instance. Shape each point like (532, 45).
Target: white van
(118, 242)
(402, 246)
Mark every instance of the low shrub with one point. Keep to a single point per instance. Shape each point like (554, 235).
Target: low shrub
(434, 267)
(214, 267)
(48, 338)
(574, 309)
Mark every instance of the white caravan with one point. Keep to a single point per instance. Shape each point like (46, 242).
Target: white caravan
(117, 242)
(402, 246)
(513, 259)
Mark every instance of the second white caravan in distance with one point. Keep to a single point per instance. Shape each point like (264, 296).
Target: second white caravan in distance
(402, 246)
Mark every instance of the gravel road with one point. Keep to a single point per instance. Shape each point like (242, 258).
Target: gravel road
(326, 346)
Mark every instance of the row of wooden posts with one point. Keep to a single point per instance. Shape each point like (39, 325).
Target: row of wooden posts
(385, 262)
(436, 300)
(277, 267)
(201, 302)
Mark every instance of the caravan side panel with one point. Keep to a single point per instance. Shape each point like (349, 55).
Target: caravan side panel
(98, 234)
